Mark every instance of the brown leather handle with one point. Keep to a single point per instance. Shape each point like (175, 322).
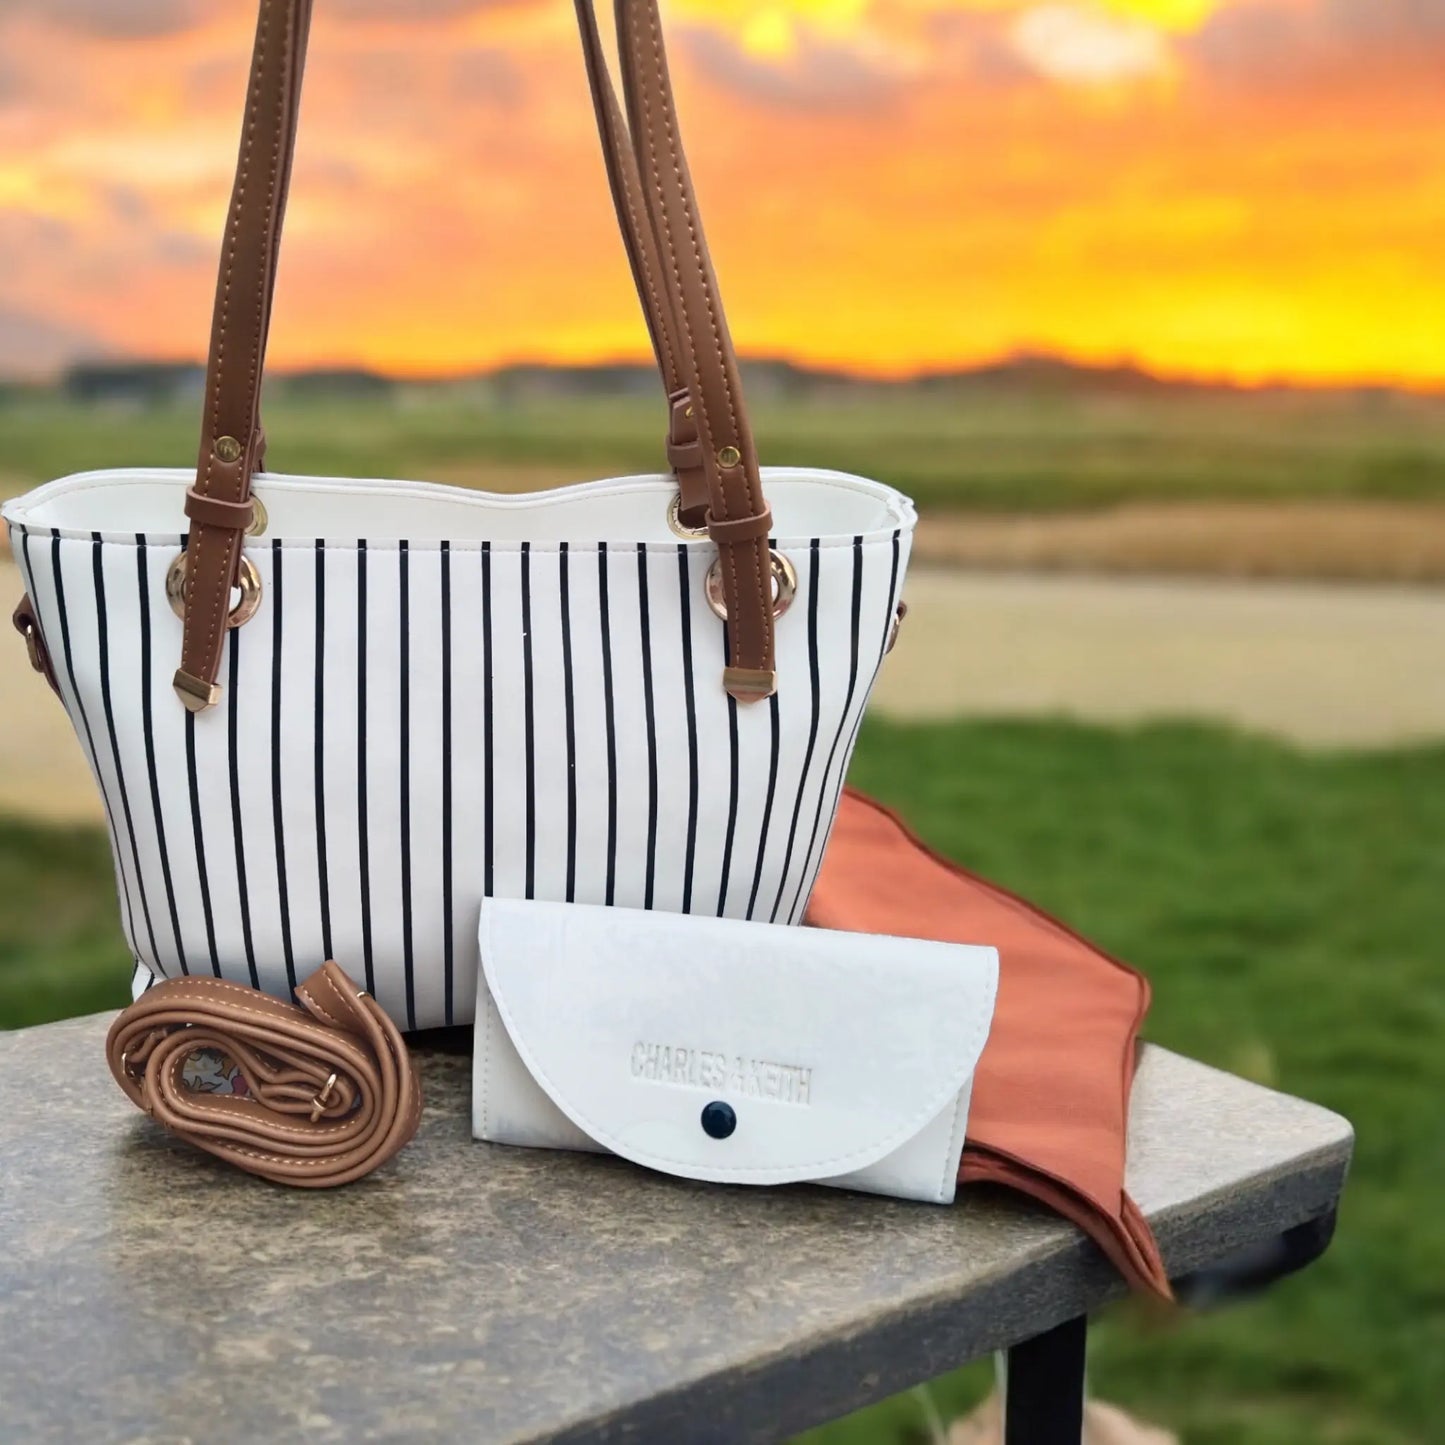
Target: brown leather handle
(333, 1093)
(644, 255)
(231, 438)
(675, 312)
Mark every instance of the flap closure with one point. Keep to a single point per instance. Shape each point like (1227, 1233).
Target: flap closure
(717, 1049)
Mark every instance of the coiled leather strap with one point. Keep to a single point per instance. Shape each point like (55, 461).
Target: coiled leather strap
(333, 1093)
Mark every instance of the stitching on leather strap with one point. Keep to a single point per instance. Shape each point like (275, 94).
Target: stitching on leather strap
(213, 512)
(689, 215)
(205, 664)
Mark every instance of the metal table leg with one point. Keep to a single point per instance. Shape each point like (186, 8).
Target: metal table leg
(1044, 1387)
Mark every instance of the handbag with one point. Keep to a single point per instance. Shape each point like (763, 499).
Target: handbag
(394, 699)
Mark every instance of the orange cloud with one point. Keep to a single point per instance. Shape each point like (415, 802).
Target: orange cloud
(1250, 188)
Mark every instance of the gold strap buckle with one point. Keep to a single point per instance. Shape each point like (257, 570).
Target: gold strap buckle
(319, 1103)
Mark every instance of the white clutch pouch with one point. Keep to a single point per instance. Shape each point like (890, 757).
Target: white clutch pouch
(742, 1053)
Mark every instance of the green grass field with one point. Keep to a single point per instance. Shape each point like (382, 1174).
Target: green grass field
(996, 448)
(1289, 910)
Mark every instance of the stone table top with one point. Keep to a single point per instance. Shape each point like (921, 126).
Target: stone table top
(476, 1293)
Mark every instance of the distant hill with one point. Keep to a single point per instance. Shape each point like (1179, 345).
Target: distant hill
(162, 382)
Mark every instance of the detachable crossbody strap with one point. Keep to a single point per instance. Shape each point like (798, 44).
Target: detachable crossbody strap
(219, 504)
(329, 1091)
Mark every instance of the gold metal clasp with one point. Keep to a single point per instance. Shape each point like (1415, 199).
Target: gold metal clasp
(196, 694)
(31, 634)
(896, 627)
(749, 684)
(319, 1103)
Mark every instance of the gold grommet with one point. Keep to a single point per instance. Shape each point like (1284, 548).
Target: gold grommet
(260, 518)
(679, 527)
(785, 587)
(728, 458)
(248, 580)
(228, 449)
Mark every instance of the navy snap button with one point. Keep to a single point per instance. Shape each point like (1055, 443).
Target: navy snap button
(718, 1120)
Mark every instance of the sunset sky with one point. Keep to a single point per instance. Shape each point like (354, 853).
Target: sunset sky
(1241, 188)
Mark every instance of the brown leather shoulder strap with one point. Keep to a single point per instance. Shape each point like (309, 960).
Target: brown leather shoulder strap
(231, 441)
(230, 429)
(331, 1092)
(644, 254)
(729, 456)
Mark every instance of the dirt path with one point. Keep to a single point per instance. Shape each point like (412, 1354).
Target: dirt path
(1320, 664)
(1354, 540)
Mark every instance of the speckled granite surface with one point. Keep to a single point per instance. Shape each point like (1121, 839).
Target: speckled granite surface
(482, 1294)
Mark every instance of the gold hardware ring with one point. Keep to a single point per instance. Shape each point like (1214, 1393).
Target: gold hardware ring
(248, 581)
(679, 527)
(785, 587)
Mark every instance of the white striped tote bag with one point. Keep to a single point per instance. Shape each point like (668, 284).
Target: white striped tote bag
(395, 699)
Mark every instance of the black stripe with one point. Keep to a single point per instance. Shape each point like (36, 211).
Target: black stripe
(201, 875)
(883, 643)
(569, 706)
(362, 811)
(799, 898)
(323, 872)
(448, 939)
(277, 812)
(767, 806)
(107, 706)
(609, 709)
(243, 891)
(404, 662)
(62, 614)
(148, 724)
(59, 583)
(812, 726)
(684, 574)
(488, 816)
(892, 600)
(202, 878)
(863, 706)
(649, 708)
(529, 722)
(727, 867)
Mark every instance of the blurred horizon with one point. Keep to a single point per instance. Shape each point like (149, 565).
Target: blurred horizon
(103, 377)
(1234, 191)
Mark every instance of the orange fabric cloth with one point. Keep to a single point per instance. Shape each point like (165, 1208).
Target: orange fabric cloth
(1050, 1106)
